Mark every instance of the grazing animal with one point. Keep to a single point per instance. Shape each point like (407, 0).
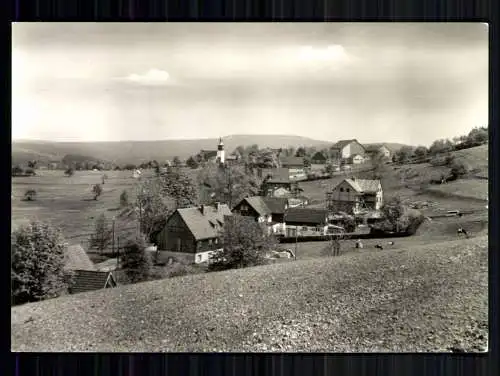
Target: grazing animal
(359, 244)
(461, 230)
(379, 246)
(390, 243)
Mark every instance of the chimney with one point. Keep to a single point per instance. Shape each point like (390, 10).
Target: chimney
(203, 209)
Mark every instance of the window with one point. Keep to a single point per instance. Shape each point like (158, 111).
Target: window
(198, 257)
(216, 241)
(304, 228)
(347, 190)
(209, 241)
(341, 189)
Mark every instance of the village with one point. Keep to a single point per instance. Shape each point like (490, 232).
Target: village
(266, 187)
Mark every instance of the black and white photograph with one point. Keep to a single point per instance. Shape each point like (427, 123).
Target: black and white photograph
(249, 187)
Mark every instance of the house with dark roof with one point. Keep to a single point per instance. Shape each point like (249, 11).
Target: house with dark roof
(296, 167)
(345, 149)
(354, 195)
(268, 210)
(83, 274)
(278, 178)
(306, 222)
(319, 158)
(192, 234)
(208, 155)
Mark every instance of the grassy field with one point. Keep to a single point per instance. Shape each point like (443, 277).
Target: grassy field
(427, 298)
(463, 189)
(67, 202)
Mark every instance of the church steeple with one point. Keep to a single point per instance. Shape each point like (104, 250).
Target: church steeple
(220, 151)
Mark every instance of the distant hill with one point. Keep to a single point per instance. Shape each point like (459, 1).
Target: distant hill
(135, 151)
(393, 146)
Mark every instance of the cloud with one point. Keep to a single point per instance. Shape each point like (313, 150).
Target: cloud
(151, 77)
(331, 53)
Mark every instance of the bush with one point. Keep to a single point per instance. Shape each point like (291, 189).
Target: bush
(30, 195)
(124, 199)
(459, 169)
(29, 171)
(69, 172)
(136, 262)
(102, 236)
(17, 170)
(37, 263)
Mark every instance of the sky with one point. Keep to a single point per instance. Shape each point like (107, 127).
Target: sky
(394, 82)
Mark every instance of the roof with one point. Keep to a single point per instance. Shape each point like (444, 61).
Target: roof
(306, 216)
(107, 266)
(77, 259)
(267, 205)
(319, 155)
(292, 161)
(208, 153)
(202, 226)
(343, 143)
(364, 185)
(90, 280)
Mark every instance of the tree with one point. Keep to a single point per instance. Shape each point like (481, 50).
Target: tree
(478, 135)
(37, 263)
(301, 152)
(30, 195)
(176, 162)
(178, 186)
(17, 170)
(135, 261)
(404, 154)
(440, 146)
(32, 164)
(192, 163)
(421, 152)
(392, 211)
(103, 234)
(69, 172)
(307, 162)
(245, 243)
(97, 191)
(124, 199)
(458, 169)
(130, 167)
(228, 184)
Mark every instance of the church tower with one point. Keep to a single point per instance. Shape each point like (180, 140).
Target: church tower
(220, 151)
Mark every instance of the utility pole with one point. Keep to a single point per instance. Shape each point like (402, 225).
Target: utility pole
(296, 241)
(118, 253)
(113, 241)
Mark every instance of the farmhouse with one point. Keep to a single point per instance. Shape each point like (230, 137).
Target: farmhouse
(385, 151)
(278, 179)
(306, 222)
(345, 149)
(268, 210)
(319, 158)
(353, 195)
(193, 233)
(84, 274)
(357, 159)
(296, 167)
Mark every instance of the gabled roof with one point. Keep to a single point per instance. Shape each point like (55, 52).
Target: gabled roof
(343, 143)
(90, 280)
(199, 223)
(319, 155)
(77, 259)
(306, 216)
(267, 205)
(277, 205)
(364, 185)
(292, 161)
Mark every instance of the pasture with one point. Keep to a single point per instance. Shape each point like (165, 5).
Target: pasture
(68, 202)
(431, 297)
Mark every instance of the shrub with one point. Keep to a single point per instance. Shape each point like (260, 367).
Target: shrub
(37, 263)
(124, 199)
(30, 195)
(69, 172)
(29, 171)
(136, 261)
(102, 236)
(459, 169)
(17, 170)
(97, 191)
